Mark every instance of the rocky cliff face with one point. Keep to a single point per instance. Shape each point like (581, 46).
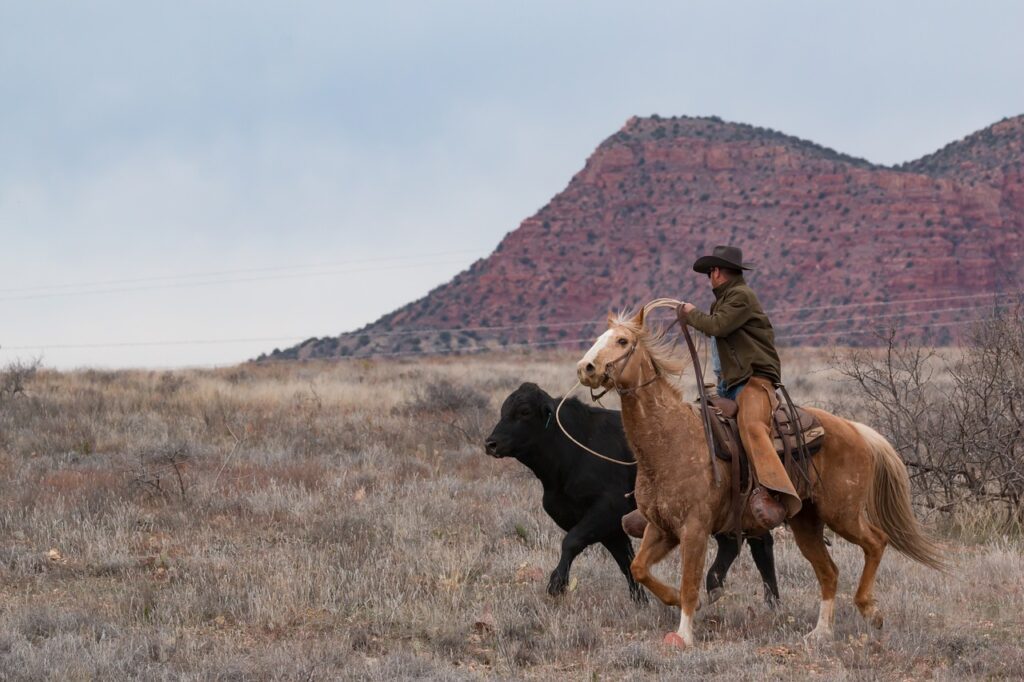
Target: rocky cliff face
(834, 238)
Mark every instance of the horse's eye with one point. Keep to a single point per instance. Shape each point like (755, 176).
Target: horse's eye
(623, 342)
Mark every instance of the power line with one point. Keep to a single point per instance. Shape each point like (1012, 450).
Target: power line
(299, 338)
(579, 323)
(220, 273)
(842, 333)
(895, 302)
(909, 313)
(183, 285)
(127, 344)
(582, 323)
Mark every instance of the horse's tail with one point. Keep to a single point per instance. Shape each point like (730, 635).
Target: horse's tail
(889, 503)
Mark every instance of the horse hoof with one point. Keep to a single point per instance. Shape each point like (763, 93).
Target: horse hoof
(673, 639)
(876, 620)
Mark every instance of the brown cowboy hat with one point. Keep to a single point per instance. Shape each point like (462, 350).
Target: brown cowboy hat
(722, 257)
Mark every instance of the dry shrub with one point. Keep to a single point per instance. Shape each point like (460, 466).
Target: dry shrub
(444, 395)
(958, 422)
(451, 412)
(15, 378)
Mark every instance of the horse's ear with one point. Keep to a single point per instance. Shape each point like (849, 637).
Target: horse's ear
(611, 318)
(638, 319)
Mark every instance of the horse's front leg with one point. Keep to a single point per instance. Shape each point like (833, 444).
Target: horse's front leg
(693, 546)
(653, 548)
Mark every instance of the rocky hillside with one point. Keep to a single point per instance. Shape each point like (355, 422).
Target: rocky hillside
(843, 246)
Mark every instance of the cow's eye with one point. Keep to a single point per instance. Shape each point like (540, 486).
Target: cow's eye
(524, 412)
(623, 342)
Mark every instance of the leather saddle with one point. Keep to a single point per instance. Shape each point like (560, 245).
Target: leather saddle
(726, 431)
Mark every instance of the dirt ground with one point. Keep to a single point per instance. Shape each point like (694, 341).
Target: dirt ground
(340, 520)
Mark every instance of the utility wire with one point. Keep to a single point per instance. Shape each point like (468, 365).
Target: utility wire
(579, 323)
(182, 285)
(298, 338)
(241, 271)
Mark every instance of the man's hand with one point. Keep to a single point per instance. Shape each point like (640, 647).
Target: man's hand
(685, 308)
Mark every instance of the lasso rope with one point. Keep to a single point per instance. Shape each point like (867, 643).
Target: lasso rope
(558, 421)
(661, 303)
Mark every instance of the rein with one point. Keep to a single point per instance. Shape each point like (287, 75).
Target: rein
(705, 408)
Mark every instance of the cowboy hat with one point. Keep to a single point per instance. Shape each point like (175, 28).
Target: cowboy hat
(722, 257)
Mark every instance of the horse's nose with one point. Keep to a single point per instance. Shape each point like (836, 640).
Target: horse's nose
(585, 371)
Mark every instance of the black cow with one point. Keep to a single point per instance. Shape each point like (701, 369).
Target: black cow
(586, 496)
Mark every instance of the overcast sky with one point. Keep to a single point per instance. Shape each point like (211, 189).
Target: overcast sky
(215, 171)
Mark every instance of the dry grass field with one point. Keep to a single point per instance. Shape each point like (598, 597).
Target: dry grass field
(340, 521)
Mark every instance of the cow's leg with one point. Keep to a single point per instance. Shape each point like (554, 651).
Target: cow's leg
(728, 550)
(762, 549)
(621, 549)
(596, 524)
(653, 548)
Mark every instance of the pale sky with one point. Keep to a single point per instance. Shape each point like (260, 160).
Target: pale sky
(256, 173)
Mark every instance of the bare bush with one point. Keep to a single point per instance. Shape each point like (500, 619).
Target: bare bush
(462, 409)
(958, 422)
(15, 377)
(160, 472)
(444, 395)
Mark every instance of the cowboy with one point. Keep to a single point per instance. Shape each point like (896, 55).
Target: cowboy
(745, 344)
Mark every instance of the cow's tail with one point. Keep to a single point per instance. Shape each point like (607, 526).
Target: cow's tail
(889, 504)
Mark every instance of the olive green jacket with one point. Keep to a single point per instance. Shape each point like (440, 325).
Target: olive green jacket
(743, 334)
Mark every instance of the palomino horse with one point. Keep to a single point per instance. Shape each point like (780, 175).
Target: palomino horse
(860, 488)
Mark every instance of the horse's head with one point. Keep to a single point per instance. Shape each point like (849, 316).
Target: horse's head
(630, 355)
(616, 357)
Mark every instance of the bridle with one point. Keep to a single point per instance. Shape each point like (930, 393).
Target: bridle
(624, 360)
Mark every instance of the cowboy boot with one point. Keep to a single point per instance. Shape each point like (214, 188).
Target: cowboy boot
(767, 511)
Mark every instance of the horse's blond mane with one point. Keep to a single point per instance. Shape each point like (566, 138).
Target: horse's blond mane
(655, 341)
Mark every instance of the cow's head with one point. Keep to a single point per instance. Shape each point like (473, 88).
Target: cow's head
(525, 415)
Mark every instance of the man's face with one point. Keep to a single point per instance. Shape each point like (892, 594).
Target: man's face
(715, 275)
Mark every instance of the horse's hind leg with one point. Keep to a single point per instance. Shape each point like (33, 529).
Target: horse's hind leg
(728, 550)
(873, 541)
(808, 529)
(762, 549)
(653, 548)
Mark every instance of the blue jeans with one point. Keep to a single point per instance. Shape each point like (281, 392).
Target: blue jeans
(731, 393)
